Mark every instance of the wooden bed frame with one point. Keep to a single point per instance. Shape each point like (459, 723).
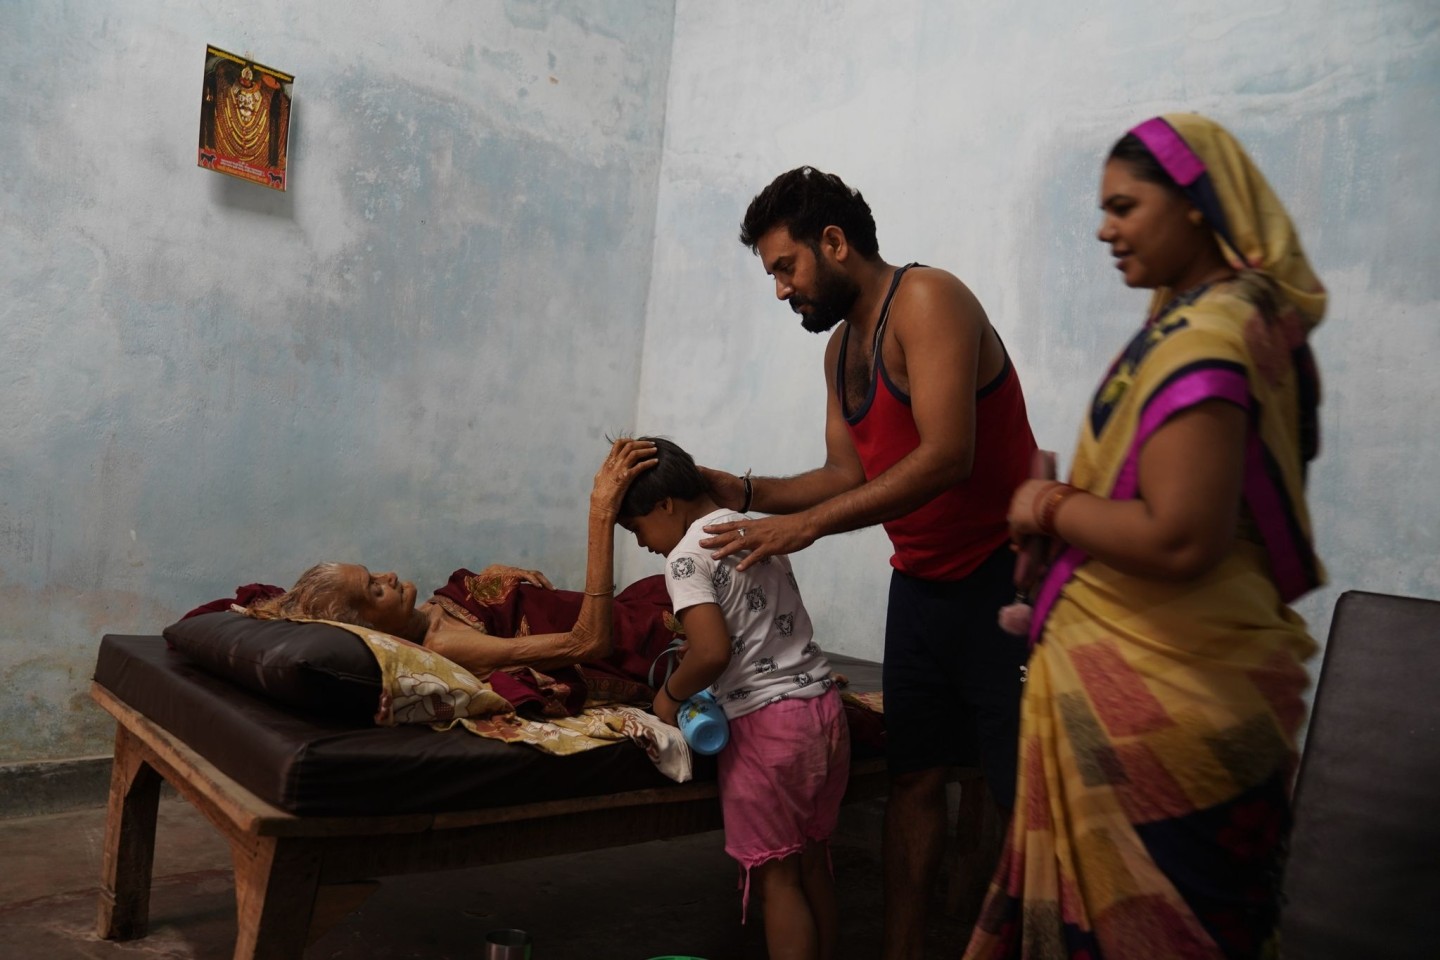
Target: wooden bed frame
(296, 876)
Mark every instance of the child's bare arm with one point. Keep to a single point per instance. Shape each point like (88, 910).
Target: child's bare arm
(706, 657)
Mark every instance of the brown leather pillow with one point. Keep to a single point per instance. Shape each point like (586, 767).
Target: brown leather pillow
(310, 667)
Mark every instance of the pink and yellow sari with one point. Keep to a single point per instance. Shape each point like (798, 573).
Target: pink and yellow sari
(1159, 724)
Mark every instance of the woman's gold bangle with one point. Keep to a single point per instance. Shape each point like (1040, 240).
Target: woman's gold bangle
(1053, 496)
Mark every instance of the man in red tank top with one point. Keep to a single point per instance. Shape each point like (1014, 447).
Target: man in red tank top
(926, 433)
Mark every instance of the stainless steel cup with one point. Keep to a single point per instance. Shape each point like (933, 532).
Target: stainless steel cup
(507, 945)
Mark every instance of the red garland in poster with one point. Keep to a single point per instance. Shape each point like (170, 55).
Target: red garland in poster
(244, 119)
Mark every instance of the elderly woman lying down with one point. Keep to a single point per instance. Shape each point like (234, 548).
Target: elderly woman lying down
(349, 593)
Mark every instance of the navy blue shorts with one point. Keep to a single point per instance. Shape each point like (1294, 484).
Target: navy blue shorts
(952, 677)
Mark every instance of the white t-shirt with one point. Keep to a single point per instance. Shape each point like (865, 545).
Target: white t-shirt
(773, 653)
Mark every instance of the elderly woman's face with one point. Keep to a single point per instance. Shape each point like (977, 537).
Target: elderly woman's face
(381, 598)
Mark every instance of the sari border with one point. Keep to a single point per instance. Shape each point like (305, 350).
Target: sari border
(1292, 562)
(1188, 386)
(1192, 384)
(1060, 573)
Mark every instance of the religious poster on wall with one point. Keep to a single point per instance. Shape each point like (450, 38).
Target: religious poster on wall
(244, 119)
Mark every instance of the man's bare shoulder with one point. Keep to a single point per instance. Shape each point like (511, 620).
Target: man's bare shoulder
(931, 295)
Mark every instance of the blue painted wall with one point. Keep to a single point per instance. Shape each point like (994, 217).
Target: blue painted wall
(976, 132)
(409, 359)
(498, 208)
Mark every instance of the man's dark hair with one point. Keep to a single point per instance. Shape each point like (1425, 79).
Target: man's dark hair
(1132, 150)
(675, 475)
(806, 201)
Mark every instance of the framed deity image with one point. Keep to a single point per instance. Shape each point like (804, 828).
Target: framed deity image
(245, 119)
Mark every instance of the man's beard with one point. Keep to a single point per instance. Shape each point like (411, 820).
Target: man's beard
(834, 298)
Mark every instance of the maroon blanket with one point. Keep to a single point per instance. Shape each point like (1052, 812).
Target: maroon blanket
(504, 606)
(508, 607)
(244, 596)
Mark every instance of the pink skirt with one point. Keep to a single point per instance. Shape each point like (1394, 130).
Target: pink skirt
(782, 777)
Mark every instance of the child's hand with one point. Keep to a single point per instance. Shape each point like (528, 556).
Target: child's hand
(666, 708)
(628, 459)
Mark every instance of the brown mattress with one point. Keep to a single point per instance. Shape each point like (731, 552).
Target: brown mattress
(309, 766)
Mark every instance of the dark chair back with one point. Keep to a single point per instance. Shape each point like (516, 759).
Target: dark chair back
(1363, 877)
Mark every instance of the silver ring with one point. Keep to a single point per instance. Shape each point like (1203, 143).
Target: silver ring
(742, 533)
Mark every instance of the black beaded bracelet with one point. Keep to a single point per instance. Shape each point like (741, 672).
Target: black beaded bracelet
(749, 492)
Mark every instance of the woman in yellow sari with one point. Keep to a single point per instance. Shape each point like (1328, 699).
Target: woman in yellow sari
(1159, 724)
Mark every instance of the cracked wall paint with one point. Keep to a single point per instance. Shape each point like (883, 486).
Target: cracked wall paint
(410, 359)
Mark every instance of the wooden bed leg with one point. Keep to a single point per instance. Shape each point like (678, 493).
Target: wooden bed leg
(129, 854)
(276, 881)
(335, 902)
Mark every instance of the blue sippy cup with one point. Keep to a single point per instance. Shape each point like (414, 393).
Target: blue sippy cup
(702, 721)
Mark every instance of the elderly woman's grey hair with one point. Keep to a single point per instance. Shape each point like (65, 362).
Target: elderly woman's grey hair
(318, 594)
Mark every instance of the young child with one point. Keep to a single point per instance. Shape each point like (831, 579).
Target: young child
(751, 643)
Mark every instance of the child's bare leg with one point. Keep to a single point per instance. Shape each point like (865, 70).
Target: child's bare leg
(819, 888)
(789, 927)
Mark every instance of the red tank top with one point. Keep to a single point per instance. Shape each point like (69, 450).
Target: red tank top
(950, 536)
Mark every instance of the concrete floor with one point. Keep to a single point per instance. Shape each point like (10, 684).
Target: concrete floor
(629, 903)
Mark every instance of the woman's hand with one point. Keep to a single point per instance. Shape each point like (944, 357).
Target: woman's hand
(528, 576)
(1023, 521)
(628, 458)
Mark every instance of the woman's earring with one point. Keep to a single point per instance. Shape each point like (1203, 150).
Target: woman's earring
(1196, 217)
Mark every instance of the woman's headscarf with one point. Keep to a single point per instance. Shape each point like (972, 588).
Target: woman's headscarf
(1259, 241)
(1254, 231)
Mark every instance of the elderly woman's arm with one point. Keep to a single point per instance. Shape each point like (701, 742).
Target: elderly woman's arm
(590, 638)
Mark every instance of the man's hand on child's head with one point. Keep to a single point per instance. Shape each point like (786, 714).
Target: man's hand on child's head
(726, 489)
